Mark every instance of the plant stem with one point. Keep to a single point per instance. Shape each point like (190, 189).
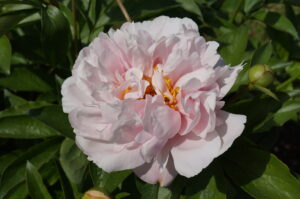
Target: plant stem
(124, 11)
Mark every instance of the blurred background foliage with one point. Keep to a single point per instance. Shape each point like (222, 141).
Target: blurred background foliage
(39, 42)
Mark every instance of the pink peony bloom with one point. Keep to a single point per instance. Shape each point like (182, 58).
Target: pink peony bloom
(148, 97)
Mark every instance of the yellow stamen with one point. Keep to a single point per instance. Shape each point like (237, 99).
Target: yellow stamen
(123, 93)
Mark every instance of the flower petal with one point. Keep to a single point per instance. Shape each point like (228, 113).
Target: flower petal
(232, 127)
(191, 154)
(109, 156)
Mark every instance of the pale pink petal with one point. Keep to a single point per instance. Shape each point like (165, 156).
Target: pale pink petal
(227, 79)
(157, 171)
(191, 154)
(109, 156)
(73, 96)
(232, 127)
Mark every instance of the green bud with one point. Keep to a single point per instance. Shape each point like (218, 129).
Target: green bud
(260, 75)
(94, 194)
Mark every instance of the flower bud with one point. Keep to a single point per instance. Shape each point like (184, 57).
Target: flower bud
(260, 75)
(94, 194)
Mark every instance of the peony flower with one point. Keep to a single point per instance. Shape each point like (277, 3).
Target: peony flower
(148, 97)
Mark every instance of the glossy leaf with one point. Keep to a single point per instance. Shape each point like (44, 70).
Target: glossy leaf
(288, 111)
(262, 55)
(25, 127)
(147, 191)
(250, 5)
(36, 187)
(10, 20)
(55, 34)
(107, 181)
(23, 108)
(54, 117)
(261, 174)
(277, 21)
(191, 6)
(23, 79)
(65, 183)
(73, 161)
(5, 55)
(38, 155)
(235, 43)
(209, 184)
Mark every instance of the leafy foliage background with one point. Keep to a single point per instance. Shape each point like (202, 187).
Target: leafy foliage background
(39, 41)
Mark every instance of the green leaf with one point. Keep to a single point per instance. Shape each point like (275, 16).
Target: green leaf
(65, 184)
(19, 192)
(73, 161)
(191, 6)
(250, 5)
(10, 20)
(55, 34)
(38, 155)
(260, 174)
(6, 160)
(147, 191)
(209, 184)
(13, 99)
(107, 181)
(277, 21)
(235, 43)
(5, 55)
(23, 109)
(231, 5)
(289, 110)
(25, 127)
(35, 185)
(54, 117)
(23, 79)
(262, 55)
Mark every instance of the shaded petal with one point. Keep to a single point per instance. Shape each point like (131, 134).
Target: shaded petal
(227, 79)
(157, 172)
(232, 127)
(191, 154)
(109, 156)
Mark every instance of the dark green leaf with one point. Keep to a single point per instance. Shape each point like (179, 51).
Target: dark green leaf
(23, 109)
(288, 111)
(22, 79)
(5, 55)
(277, 21)
(35, 185)
(209, 184)
(262, 55)
(25, 127)
(56, 34)
(191, 6)
(147, 191)
(250, 5)
(261, 174)
(65, 184)
(10, 20)
(235, 43)
(54, 117)
(19, 192)
(13, 99)
(38, 155)
(73, 161)
(107, 181)
(5, 161)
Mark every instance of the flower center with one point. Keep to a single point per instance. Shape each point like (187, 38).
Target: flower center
(169, 97)
(171, 100)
